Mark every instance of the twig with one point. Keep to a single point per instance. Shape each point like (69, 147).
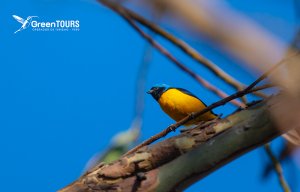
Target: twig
(262, 87)
(173, 127)
(165, 52)
(277, 168)
(141, 81)
(247, 90)
(186, 48)
(273, 68)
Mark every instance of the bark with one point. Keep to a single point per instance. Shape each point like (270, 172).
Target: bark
(175, 163)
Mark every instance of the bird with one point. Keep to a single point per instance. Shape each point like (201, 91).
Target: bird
(179, 103)
(25, 23)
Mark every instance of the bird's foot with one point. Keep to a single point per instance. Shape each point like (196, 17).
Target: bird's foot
(172, 127)
(192, 115)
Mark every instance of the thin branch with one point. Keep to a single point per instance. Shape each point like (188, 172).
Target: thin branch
(277, 168)
(273, 68)
(238, 94)
(141, 81)
(262, 87)
(165, 52)
(173, 127)
(187, 49)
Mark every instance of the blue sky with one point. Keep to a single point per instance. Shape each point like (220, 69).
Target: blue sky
(65, 94)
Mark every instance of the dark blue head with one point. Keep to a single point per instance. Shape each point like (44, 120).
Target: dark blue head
(157, 90)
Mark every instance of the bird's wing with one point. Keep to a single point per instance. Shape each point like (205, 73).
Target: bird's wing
(185, 91)
(19, 19)
(191, 94)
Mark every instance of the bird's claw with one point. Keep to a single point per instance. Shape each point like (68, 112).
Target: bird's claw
(172, 128)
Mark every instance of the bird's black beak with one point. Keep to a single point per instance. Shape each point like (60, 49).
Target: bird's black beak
(150, 91)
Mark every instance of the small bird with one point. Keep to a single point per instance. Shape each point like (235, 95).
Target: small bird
(179, 103)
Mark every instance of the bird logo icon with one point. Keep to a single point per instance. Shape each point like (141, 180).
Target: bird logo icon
(25, 23)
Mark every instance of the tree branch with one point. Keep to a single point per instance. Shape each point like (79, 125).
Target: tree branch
(278, 169)
(177, 162)
(166, 53)
(251, 88)
(186, 48)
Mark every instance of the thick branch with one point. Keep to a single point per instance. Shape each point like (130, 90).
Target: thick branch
(177, 162)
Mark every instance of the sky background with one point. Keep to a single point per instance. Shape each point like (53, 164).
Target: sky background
(64, 95)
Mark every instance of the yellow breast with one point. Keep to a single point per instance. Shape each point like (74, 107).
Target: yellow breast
(178, 105)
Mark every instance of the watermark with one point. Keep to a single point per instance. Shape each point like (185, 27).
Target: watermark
(36, 24)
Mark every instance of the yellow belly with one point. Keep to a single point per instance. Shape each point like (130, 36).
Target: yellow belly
(178, 105)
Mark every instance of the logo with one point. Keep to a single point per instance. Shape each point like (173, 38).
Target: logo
(36, 25)
(25, 23)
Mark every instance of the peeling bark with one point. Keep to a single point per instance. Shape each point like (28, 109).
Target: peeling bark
(175, 163)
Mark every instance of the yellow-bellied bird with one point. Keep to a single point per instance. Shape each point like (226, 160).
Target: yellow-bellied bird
(179, 103)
